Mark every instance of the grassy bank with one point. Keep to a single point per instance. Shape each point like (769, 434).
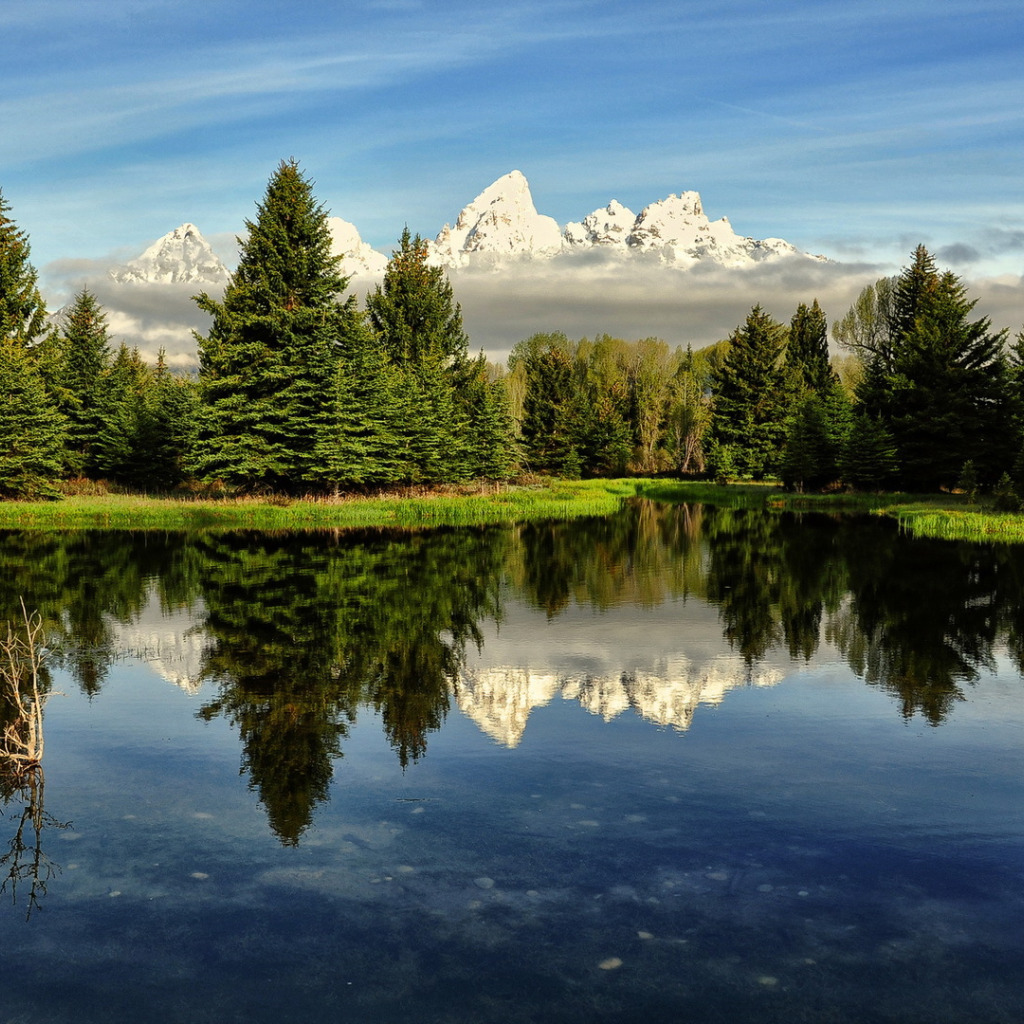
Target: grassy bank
(555, 499)
(942, 516)
(946, 516)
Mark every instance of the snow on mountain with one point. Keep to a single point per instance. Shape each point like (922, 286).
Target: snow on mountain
(611, 226)
(500, 699)
(501, 222)
(358, 258)
(181, 256)
(677, 230)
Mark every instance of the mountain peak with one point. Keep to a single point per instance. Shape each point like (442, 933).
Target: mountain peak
(500, 222)
(180, 256)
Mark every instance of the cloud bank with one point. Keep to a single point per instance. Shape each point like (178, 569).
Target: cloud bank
(582, 295)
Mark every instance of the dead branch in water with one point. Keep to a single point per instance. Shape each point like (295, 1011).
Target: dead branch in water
(21, 659)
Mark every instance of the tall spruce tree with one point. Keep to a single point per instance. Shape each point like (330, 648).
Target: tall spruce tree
(413, 311)
(22, 310)
(267, 367)
(750, 398)
(953, 395)
(31, 429)
(445, 427)
(84, 360)
(807, 350)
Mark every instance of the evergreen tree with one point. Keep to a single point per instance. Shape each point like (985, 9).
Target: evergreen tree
(869, 462)
(166, 423)
(267, 367)
(117, 447)
(31, 429)
(807, 357)
(418, 325)
(22, 311)
(952, 405)
(84, 360)
(547, 364)
(414, 313)
(750, 399)
(492, 453)
(360, 445)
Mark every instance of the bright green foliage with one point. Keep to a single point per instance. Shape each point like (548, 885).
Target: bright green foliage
(22, 311)
(446, 419)
(650, 375)
(866, 328)
(807, 357)
(267, 368)
(413, 311)
(751, 401)
(688, 415)
(31, 429)
(84, 360)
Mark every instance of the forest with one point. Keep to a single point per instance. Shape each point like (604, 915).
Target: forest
(300, 391)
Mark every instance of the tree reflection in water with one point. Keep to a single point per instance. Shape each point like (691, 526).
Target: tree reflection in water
(304, 630)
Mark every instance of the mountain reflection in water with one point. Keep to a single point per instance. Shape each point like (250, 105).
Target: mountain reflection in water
(656, 610)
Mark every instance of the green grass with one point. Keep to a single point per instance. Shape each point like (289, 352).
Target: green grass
(942, 516)
(946, 516)
(554, 499)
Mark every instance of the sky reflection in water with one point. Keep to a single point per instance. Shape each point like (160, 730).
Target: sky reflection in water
(622, 769)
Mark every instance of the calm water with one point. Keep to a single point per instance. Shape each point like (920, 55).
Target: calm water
(680, 764)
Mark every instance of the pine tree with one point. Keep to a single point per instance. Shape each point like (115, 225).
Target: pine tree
(118, 446)
(413, 311)
(953, 400)
(870, 462)
(492, 452)
(22, 310)
(84, 360)
(807, 356)
(418, 325)
(267, 367)
(31, 429)
(750, 399)
(166, 420)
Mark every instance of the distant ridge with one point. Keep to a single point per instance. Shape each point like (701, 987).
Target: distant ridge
(499, 226)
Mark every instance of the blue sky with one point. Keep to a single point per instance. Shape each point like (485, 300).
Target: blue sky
(855, 129)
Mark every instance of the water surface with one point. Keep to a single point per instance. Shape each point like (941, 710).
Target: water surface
(679, 763)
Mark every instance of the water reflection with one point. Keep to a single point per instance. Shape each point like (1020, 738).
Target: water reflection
(296, 632)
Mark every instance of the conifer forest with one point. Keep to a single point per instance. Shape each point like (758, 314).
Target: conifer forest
(299, 390)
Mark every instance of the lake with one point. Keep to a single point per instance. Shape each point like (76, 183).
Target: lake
(676, 764)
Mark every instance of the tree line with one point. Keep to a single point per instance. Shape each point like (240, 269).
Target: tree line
(930, 398)
(299, 390)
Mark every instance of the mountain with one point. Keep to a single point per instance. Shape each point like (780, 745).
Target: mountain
(500, 699)
(181, 256)
(503, 223)
(358, 258)
(500, 225)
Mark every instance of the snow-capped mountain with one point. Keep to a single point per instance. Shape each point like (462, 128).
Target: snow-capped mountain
(502, 222)
(500, 225)
(500, 699)
(181, 256)
(358, 258)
